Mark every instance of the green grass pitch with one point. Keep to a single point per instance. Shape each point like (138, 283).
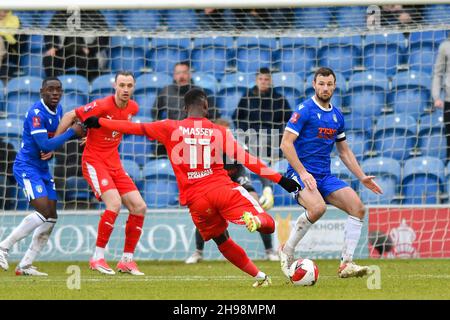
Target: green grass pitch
(211, 280)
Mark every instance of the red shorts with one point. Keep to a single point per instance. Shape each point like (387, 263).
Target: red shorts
(102, 179)
(214, 209)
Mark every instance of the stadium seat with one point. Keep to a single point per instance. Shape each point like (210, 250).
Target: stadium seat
(128, 53)
(21, 93)
(297, 55)
(206, 81)
(238, 80)
(432, 140)
(351, 17)
(161, 189)
(30, 64)
(141, 20)
(254, 53)
(342, 54)
(395, 136)
(410, 93)
(2, 100)
(227, 101)
(102, 85)
(422, 57)
(387, 172)
(341, 88)
(112, 17)
(146, 91)
(355, 122)
(11, 127)
(76, 91)
(134, 171)
(339, 169)
(184, 19)
(17, 199)
(291, 86)
(436, 13)
(384, 52)
(280, 166)
(359, 143)
(212, 55)
(136, 148)
(165, 53)
(427, 38)
(423, 180)
(309, 18)
(77, 189)
(366, 93)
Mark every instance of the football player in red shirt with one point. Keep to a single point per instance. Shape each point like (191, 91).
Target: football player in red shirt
(104, 172)
(196, 147)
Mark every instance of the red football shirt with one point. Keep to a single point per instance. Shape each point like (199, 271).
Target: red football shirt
(195, 147)
(102, 143)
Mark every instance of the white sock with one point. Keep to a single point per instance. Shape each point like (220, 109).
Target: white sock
(99, 253)
(301, 228)
(28, 224)
(127, 256)
(352, 233)
(260, 276)
(40, 238)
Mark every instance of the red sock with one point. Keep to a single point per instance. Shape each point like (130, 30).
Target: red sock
(267, 223)
(105, 227)
(133, 231)
(237, 256)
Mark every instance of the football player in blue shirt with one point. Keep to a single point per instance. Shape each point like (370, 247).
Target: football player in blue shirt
(33, 176)
(307, 142)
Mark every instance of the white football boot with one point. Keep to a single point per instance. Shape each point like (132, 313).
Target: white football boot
(29, 271)
(350, 269)
(196, 257)
(3, 260)
(286, 260)
(263, 282)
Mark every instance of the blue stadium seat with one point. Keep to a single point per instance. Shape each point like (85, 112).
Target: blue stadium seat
(351, 17)
(11, 127)
(427, 38)
(410, 93)
(112, 18)
(77, 189)
(341, 88)
(184, 19)
(280, 166)
(134, 171)
(145, 20)
(2, 99)
(21, 93)
(31, 64)
(165, 53)
(423, 180)
(254, 53)
(128, 53)
(161, 189)
(297, 55)
(387, 172)
(342, 54)
(136, 148)
(436, 13)
(359, 142)
(355, 122)
(76, 91)
(206, 81)
(384, 52)
(102, 85)
(395, 136)
(212, 55)
(432, 140)
(366, 93)
(423, 48)
(146, 91)
(227, 101)
(238, 80)
(339, 169)
(308, 18)
(18, 199)
(291, 86)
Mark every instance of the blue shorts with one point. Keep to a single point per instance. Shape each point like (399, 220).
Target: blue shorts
(36, 183)
(326, 183)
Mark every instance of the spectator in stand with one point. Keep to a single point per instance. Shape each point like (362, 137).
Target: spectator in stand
(87, 54)
(262, 108)
(441, 79)
(9, 45)
(397, 15)
(170, 101)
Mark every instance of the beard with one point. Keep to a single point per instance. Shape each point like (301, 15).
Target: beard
(324, 100)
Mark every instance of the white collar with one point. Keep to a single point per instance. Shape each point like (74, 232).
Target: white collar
(322, 108)
(48, 109)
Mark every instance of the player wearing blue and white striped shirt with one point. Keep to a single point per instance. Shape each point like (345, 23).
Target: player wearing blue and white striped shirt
(33, 176)
(307, 143)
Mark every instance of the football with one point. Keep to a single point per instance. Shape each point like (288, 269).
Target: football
(304, 272)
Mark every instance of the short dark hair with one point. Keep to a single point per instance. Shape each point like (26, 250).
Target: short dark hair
(264, 70)
(195, 97)
(324, 71)
(182, 63)
(124, 73)
(48, 79)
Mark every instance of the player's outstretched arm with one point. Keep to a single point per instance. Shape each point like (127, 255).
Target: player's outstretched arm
(287, 146)
(348, 158)
(66, 121)
(123, 126)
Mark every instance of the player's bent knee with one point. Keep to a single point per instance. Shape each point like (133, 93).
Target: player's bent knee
(114, 205)
(317, 210)
(139, 209)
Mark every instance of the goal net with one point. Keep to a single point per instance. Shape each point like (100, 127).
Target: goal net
(385, 61)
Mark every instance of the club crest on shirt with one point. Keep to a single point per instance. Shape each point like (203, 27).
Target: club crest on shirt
(335, 118)
(105, 182)
(36, 122)
(89, 107)
(294, 118)
(39, 188)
